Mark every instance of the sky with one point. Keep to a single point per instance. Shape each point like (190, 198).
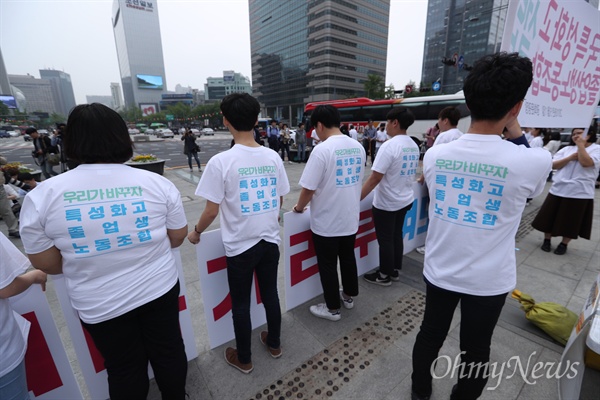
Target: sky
(200, 39)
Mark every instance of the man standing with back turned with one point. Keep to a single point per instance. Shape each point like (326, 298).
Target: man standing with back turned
(247, 183)
(478, 185)
(331, 182)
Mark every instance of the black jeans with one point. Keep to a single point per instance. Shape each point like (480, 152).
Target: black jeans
(328, 249)
(262, 259)
(274, 143)
(388, 227)
(479, 315)
(285, 148)
(147, 333)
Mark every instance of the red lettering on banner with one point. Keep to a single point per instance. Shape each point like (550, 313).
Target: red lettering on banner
(97, 359)
(362, 242)
(216, 265)
(297, 274)
(41, 371)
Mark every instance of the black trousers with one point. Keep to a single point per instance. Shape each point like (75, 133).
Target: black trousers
(148, 333)
(479, 315)
(328, 250)
(388, 227)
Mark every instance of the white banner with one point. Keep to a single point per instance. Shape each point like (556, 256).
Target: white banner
(562, 39)
(90, 360)
(212, 265)
(49, 374)
(302, 281)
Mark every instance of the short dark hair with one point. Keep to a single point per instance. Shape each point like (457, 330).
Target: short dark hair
(29, 131)
(452, 113)
(496, 84)
(25, 176)
(300, 124)
(327, 115)
(96, 134)
(241, 110)
(591, 135)
(403, 115)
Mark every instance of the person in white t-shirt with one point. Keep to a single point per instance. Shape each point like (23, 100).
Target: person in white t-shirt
(380, 138)
(353, 132)
(537, 135)
(569, 207)
(477, 186)
(392, 176)
(14, 329)
(448, 121)
(110, 229)
(247, 184)
(331, 183)
(315, 137)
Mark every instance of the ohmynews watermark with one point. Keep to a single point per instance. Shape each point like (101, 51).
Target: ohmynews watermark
(529, 372)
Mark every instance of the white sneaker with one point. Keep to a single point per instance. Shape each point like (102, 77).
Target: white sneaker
(348, 304)
(420, 250)
(290, 162)
(321, 311)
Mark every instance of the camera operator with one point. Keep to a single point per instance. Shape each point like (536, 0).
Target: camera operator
(56, 142)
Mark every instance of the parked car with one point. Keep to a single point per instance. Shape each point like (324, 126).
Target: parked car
(208, 131)
(164, 133)
(134, 131)
(13, 133)
(4, 134)
(43, 132)
(196, 132)
(150, 131)
(27, 138)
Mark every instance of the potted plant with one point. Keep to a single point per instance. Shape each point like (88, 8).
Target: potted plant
(149, 162)
(16, 168)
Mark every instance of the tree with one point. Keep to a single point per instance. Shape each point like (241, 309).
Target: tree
(4, 109)
(131, 114)
(390, 91)
(374, 86)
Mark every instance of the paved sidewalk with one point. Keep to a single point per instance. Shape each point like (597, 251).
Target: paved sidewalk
(367, 354)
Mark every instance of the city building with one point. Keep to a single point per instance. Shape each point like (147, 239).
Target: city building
(304, 51)
(38, 93)
(171, 99)
(139, 51)
(106, 100)
(459, 32)
(231, 82)
(4, 82)
(117, 95)
(62, 89)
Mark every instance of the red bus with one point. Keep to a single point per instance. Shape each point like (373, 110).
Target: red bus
(360, 110)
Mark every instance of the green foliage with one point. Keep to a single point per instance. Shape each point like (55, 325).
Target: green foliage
(374, 86)
(3, 109)
(389, 91)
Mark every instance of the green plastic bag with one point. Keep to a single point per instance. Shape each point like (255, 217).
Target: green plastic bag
(554, 319)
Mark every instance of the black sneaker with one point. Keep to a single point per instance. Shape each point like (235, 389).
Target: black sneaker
(395, 276)
(376, 278)
(561, 249)
(546, 246)
(14, 234)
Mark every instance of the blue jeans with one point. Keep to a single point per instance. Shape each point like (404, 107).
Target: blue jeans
(301, 155)
(261, 259)
(13, 386)
(46, 168)
(479, 315)
(195, 155)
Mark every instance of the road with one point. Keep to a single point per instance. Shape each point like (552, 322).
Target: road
(16, 149)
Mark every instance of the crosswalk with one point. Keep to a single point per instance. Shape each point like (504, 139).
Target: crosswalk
(15, 145)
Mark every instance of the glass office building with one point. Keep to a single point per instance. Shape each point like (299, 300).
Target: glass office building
(314, 50)
(62, 90)
(139, 51)
(463, 30)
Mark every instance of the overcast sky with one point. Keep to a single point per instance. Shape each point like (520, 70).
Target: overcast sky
(200, 39)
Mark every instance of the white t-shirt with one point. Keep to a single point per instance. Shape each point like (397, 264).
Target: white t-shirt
(246, 182)
(447, 136)
(335, 172)
(315, 137)
(10, 191)
(536, 142)
(553, 146)
(14, 329)
(397, 160)
(478, 186)
(353, 134)
(381, 138)
(573, 181)
(110, 223)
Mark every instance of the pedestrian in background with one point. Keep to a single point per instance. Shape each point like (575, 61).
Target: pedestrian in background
(191, 149)
(301, 143)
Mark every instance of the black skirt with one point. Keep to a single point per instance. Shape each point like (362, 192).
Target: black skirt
(563, 216)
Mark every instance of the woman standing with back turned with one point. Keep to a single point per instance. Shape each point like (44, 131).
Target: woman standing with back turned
(109, 229)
